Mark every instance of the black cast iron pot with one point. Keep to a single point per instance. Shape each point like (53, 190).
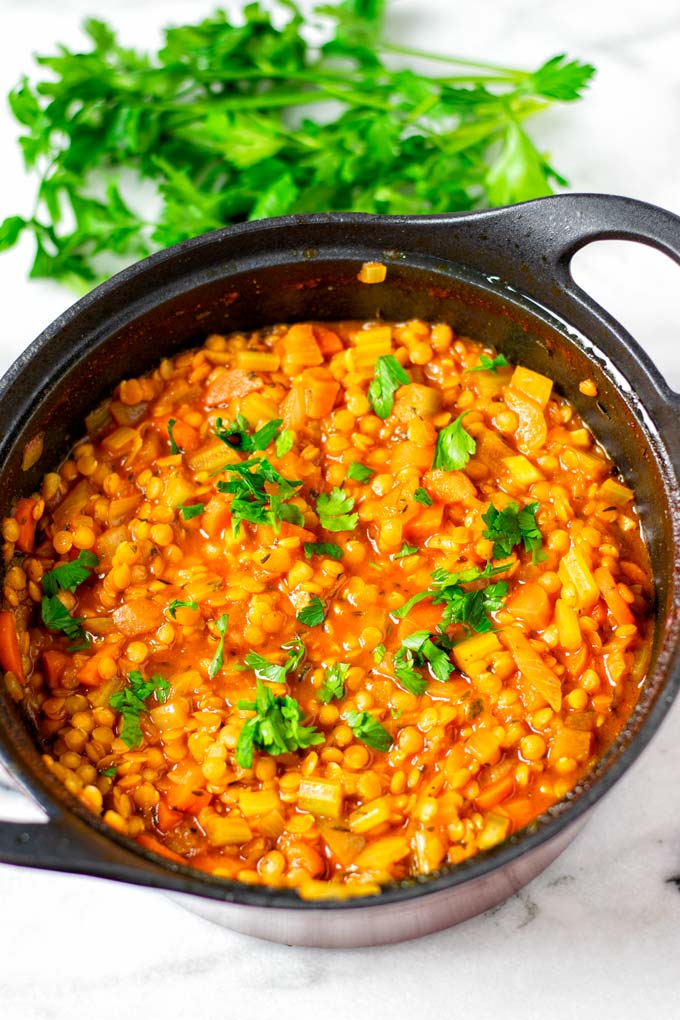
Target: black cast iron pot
(501, 277)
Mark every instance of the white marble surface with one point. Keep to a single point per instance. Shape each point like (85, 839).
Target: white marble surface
(599, 932)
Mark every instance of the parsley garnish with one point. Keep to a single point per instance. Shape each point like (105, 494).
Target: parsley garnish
(109, 772)
(252, 502)
(191, 511)
(334, 682)
(174, 448)
(421, 496)
(284, 443)
(56, 616)
(179, 604)
(266, 670)
(130, 702)
(334, 510)
(334, 552)
(379, 654)
(454, 446)
(406, 550)
(239, 437)
(313, 614)
(487, 364)
(222, 622)
(68, 576)
(510, 527)
(460, 606)
(389, 376)
(359, 472)
(276, 727)
(369, 731)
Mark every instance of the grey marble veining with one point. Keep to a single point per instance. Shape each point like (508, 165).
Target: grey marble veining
(597, 934)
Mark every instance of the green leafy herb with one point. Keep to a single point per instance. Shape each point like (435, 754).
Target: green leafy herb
(179, 604)
(369, 731)
(510, 527)
(191, 511)
(206, 121)
(222, 622)
(334, 552)
(460, 606)
(239, 436)
(406, 550)
(313, 614)
(388, 377)
(252, 502)
(417, 650)
(454, 446)
(174, 448)
(276, 728)
(69, 576)
(56, 616)
(421, 496)
(109, 772)
(131, 702)
(284, 443)
(266, 670)
(379, 653)
(487, 364)
(359, 472)
(334, 510)
(334, 682)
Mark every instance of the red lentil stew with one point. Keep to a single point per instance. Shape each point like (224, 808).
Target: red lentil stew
(327, 605)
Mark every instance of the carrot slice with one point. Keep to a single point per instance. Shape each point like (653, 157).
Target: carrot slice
(616, 605)
(10, 656)
(228, 384)
(27, 524)
(531, 604)
(54, 664)
(494, 793)
(320, 391)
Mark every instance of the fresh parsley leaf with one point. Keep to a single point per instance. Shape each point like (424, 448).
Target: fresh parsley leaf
(56, 616)
(131, 702)
(333, 685)
(266, 670)
(252, 501)
(109, 772)
(334, 552)
(487, 364)
(284, 443)
(276, 728)
(240, 437)
(447, 589)
(179, 604)
(417, 650)
(334, 510)
(69, 576)
(406, 550)
(359, 472)
(421, 496)
(406, 673)
(191, 511)
(222, 622)
(561, 79)
(313, 614)
(174, 448)
(379, 653)
(454, 446)
(369, 731)
(510, 527)
(388, 377)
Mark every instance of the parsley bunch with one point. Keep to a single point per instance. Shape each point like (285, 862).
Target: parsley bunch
(211, 121)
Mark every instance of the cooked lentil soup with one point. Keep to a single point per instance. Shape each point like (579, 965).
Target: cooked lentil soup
(327, 605)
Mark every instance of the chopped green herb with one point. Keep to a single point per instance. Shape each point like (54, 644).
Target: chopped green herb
(276, 728)
(239, 436)
(334, 510)
(222, 622)
(109, 772)
(313, 614)
(421, 496)
(406, 673)
(379, 653)
(334, 552)
(191, 511)
(334, 682)
(130, 702)
(406, 550)
(359, 472)
(174, 448)
(447, 590)
(284, 443)
(369, 731)
(389, 376)
(252, 502)
(487, 364)
(266, 670)
(179, 604)
(396, 713)
(417, 650)
(510, 527)
(69, 576)
(454, 446)
(56, 616)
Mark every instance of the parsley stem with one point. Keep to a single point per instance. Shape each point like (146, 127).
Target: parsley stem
(409, 51)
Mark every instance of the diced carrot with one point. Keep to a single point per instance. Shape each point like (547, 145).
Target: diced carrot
(532, 668)
(229, 383)
(185, 436)
(411, 455)
(328, 340)
(186, 791)
(151, 843)
(54, 664)
(299, 349)
(88, 666)
(521, 812)
(10, 656)
(570, 743)
(531, 604)
(494, 793)
(532, 430)
(568, 626)
(216, 516)
(320, 391)
(166, 818)
(427, 523)
(138, 616)
(449, 486)
(27, 524)
(617, 606)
